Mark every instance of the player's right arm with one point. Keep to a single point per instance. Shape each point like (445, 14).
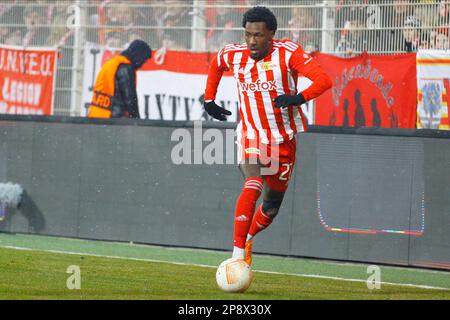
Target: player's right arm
(215, 72)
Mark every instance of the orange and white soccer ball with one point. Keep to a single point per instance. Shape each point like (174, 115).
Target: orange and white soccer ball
(234, 275)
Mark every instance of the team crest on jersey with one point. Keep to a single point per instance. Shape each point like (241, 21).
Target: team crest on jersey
(268, 65)
(252, 151)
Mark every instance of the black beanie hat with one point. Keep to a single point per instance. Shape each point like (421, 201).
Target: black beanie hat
(138, 52)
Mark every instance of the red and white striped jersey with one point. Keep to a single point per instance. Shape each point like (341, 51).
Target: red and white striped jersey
(259, 82)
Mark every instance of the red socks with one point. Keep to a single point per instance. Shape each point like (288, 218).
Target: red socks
(260, 222)
(245, 207)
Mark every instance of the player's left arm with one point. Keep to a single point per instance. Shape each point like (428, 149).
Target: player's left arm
(303, 64)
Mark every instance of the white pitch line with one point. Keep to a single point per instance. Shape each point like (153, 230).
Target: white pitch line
(209, 266)
(356, 280)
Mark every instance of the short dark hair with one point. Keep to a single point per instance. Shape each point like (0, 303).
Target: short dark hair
(260, 14)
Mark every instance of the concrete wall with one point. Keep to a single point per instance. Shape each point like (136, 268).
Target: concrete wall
(359, 197)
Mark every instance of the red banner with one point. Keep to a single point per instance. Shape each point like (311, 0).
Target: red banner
(369, 91)
(27, 80)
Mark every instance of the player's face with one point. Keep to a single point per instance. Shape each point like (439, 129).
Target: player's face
(258, 39)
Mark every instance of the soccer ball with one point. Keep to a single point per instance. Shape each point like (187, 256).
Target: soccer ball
(234, 275)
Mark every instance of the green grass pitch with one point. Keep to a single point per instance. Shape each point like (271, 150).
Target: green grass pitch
(34, 267)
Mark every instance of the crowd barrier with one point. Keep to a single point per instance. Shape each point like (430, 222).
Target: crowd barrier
(370, 195)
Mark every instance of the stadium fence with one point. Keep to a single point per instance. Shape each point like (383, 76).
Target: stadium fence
(341, 27)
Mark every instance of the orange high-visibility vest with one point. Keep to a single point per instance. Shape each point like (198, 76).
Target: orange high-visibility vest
(104, 88)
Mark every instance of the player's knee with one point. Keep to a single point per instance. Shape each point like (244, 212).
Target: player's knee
(250, 170)
(271, 208)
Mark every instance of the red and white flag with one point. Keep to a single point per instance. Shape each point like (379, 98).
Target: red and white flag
(27, 80)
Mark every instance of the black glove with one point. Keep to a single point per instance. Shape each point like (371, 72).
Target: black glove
(216, 111)
(289, 100)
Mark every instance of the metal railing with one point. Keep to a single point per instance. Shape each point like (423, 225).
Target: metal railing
(341, 27)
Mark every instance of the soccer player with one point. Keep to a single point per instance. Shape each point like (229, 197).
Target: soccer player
(266, 71)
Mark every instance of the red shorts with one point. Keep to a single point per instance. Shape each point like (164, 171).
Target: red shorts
(277, 159)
